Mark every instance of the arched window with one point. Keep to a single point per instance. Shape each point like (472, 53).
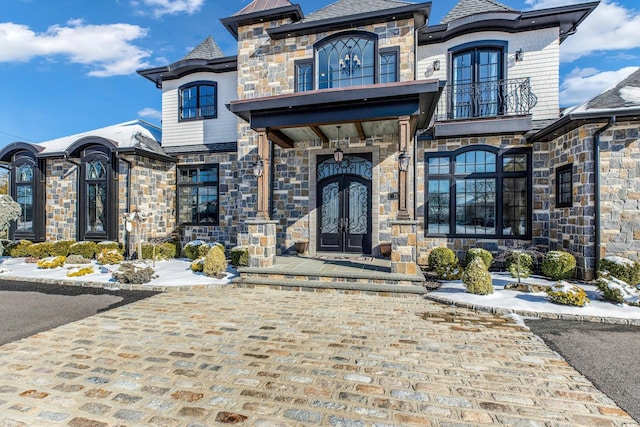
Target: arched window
(98, 202)
(198, 100)
(24, 196)
(346, 60)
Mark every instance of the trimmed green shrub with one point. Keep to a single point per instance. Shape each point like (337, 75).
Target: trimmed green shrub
(567, 294)
(51, 262)
(77, 259)
(4, 244)
(86, 249)
(109, 257)
(61, 247)
(198, 248)
(476, 278)
(109, 245)
(215, 263)
(197, 265)
(483, 254)
(239, 256)
(19, 249)
(80, 271)
(41, 249)
(166, 250)
(559, 265)
(134, 274)
(621, 268)
(519, 263)
(618, 291)
(445, 263)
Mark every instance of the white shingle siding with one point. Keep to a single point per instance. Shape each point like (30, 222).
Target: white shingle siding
(541, 63)
(209, 131)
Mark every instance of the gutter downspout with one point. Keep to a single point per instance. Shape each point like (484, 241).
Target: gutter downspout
(596, 182)
(415, 135)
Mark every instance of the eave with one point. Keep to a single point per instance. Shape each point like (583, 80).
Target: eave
(182, 68)
(293, 12)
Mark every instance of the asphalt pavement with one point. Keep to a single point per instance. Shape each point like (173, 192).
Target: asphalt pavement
(605, 354)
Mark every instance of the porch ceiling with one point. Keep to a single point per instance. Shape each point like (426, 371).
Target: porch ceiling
(361, 112)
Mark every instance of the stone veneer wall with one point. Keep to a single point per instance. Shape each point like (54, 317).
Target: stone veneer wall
(461, 245)
(61, 206)
(233, 184)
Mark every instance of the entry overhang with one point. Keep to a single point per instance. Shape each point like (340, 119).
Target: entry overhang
(295, 117)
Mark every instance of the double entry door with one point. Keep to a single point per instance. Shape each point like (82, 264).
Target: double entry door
(344, 204)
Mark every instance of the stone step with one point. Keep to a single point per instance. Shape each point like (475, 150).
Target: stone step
(319, 285)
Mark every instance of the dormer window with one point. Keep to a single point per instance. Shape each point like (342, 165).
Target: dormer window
(198, 100)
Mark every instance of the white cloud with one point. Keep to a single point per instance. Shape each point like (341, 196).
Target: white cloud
(610, 27)
(160, 8)
(583, 84)
(151, 113)
(106, 49)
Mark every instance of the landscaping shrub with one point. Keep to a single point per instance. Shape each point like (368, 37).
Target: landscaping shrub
(198, 248)
(166, 250)
(4, 244)
(132, 273)
(19, 249)
(86, 249)
(567, 294)
(80, 271)
(41, 249)
(51, 262)
(445, 263)
(215, 263)
(519, 264)
(559, 265)
(239, 256)
(77, 259)
(109, 245)
(109, 257)
(621, 268)
(483, 254)
(618, 291)
(197, 265)
(476, 278)
(61, 247)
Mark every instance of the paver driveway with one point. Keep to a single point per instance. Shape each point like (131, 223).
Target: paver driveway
(263, 357)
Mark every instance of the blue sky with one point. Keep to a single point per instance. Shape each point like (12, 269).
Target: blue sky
(68, 66)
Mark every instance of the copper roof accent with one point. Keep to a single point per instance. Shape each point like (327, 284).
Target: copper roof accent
(466, 8)
(261, 5)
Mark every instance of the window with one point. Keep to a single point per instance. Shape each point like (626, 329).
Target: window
(96, 182)
(304, 75)
(564, 186)
(478, 192)
(24, 180)
(476, 74)
(198, 100)
(198, 195)
(98, 208)
(389, 67)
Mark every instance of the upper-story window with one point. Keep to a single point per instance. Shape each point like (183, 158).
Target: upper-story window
(198, 100)
(477, 69)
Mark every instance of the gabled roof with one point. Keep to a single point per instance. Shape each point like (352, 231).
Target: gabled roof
(471, 7)
(343, 8)
(262, 5)
(208, 49)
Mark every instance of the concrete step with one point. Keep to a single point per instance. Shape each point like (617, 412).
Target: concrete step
(320, 285)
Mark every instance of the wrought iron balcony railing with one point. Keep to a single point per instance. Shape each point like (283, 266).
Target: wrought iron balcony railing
(512, 97)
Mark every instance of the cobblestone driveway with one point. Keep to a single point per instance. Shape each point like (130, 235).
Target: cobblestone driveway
(274, 358)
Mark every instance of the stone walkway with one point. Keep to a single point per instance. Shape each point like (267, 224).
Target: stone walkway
(260, 357)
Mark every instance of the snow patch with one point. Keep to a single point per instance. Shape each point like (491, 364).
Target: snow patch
(630, 94)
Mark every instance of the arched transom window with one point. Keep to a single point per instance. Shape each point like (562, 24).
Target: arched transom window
(346, 61)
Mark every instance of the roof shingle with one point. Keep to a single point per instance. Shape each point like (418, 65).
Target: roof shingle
(262, 5)
(343, 8)
(208, 49)
(466, 8)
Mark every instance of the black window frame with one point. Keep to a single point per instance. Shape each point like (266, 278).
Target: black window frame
(198, 84)
(563, 172)
(392, 51)
(198, 184)
(299, 64)
(37, 184)
(500, 175)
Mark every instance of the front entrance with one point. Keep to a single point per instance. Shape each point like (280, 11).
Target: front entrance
(344, 204)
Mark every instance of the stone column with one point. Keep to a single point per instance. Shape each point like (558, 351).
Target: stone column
(262, 243)
(403, 181)
(404, 238)
(264, 154)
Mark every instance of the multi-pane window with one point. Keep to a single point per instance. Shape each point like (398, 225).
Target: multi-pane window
(198, 194)
(564, 186)
(478, 192)
(96, 196)
(304, 75)
(389, 65)
(346, 61)
(198, 100)
(24, 196)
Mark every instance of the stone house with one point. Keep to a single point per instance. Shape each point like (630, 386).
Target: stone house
(355, 126)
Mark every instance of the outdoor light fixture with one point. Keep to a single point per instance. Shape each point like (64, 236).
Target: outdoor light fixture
(403, 161)
(258, 167)
(350, 63)
(519, 55)
(338, 155)
(436, 65)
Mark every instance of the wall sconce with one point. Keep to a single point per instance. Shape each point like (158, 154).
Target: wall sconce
(258, 167)
(519, 55)
(436, 65)
(338, 155)
(403, 161)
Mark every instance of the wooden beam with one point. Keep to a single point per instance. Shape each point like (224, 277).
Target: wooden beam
(280, 138)
(320, 134)
(360, 130)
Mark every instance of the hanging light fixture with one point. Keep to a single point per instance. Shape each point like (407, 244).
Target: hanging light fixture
(519, 55)
(403, 161)
(258, 167)
(350, 63)
(338, 155)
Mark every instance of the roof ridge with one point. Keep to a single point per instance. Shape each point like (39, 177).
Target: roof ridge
(342, 8)
(466, 8)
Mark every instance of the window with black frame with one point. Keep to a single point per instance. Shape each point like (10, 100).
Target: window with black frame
(564, 186)
(198, 194)
(24, 186)
(198, 100)
(478, 192)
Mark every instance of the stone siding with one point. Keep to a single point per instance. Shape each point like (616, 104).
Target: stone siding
(61, 205)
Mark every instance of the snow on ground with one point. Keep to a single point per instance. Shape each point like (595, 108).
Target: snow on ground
(537, 302)
(173, 272)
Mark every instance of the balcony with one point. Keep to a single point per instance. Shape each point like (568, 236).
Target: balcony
(499, 98)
